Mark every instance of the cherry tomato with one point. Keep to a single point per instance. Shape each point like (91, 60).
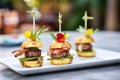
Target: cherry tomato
(60, 37)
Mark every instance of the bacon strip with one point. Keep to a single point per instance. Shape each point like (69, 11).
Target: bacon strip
(19, 52)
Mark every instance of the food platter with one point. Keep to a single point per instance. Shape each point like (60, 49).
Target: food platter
(11, 40)
(102, 57)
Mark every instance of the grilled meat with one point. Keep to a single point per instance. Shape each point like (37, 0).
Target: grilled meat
(33, 53)
(58, 53)
(85, 46)
(29, 52)
(19, 52)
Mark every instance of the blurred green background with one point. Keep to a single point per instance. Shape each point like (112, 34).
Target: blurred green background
(106, 14)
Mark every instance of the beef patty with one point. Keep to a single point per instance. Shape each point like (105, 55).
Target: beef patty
(85, 46)
(33, 53)
(58, 53)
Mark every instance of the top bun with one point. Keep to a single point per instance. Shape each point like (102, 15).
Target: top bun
(60, 45)
(84, 39)
(29, 43)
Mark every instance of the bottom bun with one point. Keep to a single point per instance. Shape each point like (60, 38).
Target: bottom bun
(61, 61)
(86, 54)
(30, 64)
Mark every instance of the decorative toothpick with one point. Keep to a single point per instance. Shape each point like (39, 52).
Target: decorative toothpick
(85, 18)
(33, 22)
(34, 12)
(60, 21)
(84, 30)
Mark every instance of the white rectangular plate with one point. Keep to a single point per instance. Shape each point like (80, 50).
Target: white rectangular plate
(102, 57)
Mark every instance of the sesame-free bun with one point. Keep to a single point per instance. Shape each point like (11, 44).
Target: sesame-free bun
(56, 44)
(86, 54)
(84, 39)
(29, 43)
(30, 64)
(61, 61)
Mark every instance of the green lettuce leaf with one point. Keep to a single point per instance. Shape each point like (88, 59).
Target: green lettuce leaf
(30, 59)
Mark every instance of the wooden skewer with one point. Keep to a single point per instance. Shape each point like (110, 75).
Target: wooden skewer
(60, 21)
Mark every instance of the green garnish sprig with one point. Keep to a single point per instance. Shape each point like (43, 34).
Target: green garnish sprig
(87, 32)
(35, 35)
(55, 36)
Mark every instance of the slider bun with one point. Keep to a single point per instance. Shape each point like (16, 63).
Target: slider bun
(60, 45)
(30, 64)
(87, 55)
(61, 61)
(29, 43)
(84, 39)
